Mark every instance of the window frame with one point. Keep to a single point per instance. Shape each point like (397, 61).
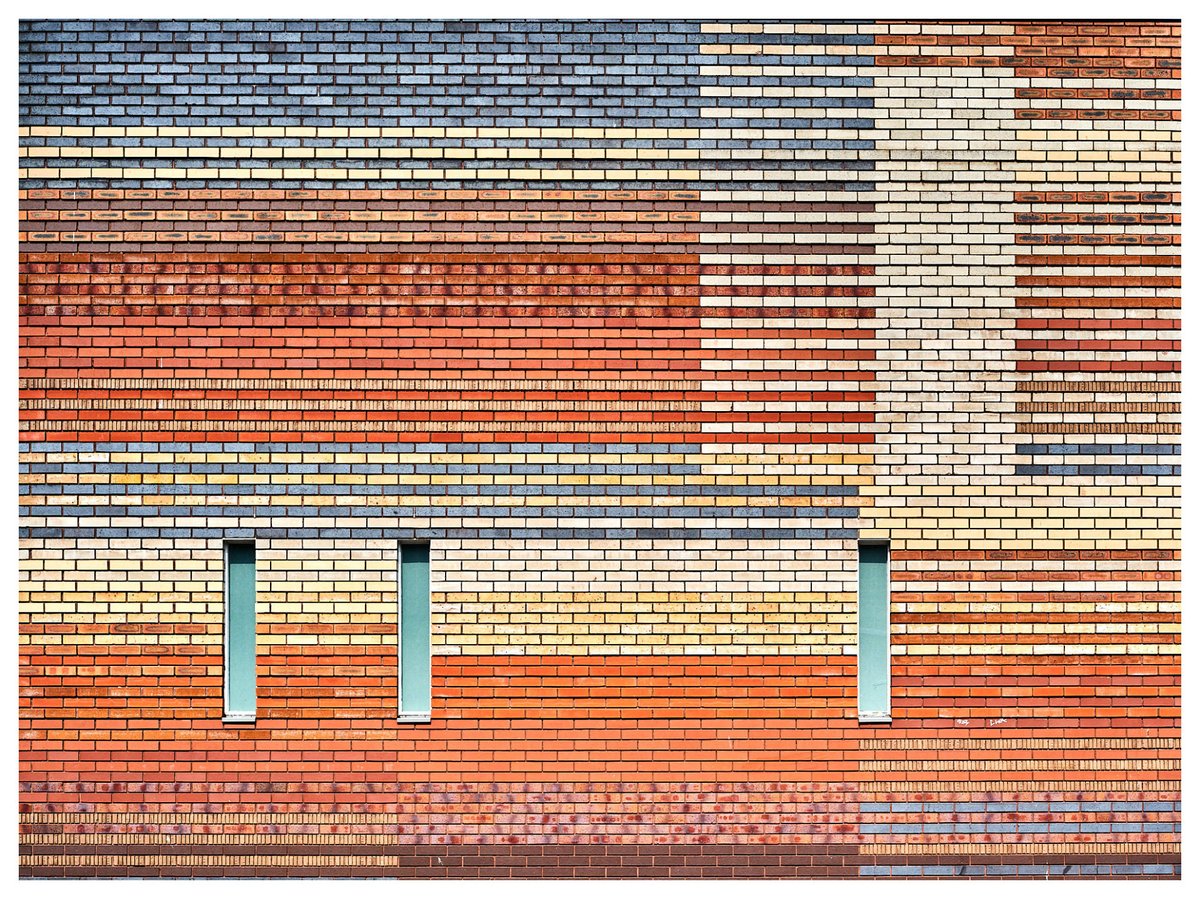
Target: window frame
(884, 715)
(237, 716)
(413, 716)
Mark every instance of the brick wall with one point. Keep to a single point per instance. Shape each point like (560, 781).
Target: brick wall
(643, 326)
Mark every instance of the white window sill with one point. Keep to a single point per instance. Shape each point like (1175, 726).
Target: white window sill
(413, 718)
(875, 718)
(240, 718)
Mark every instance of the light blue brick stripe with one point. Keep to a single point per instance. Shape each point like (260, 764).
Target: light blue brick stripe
(418, 74)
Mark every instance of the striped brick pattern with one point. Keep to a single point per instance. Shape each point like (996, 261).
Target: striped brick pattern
(643, 325)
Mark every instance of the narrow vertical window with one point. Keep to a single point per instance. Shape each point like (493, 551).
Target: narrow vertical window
(241, 644)
(415, 704)
(874, 640)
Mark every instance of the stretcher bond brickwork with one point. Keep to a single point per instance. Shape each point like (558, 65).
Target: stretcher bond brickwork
(627, 348)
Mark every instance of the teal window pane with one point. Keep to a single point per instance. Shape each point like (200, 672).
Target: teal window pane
(240, 639)
(414, 631)
(874, 674)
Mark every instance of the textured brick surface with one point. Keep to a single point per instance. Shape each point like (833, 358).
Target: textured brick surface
(643, 325)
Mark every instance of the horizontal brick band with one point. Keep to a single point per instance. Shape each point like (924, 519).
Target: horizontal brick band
(1165, 385)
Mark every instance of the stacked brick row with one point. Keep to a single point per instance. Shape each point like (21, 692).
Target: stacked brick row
(643, 326)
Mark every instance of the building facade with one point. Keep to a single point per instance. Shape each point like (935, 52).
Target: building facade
(599, 449)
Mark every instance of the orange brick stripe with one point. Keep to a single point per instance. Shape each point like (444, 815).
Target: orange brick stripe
(1066, 638)
(1098, 345)
(619, 310)
(731, 719)
(413, 220)
(1045, 66)
(285, 391)
(1074, 302)
(482, 247)
(617, 379)
(463, 347)
(1036, 597)
(427, 360)
(421, 213)
(1081, 574)
(393, 232)
(1099, 260)
(1098, 218)
(405, 213)
(1079, 282)
(1161, 240)
(1050, 621)
(1033, 555)
(435, 264)
(442, 330)
(1098, 93)
(410, 264)
(1099, 324)
(323, 273)
(532, 416)
(1094, 197)
(357, 431)
(1134, 115)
